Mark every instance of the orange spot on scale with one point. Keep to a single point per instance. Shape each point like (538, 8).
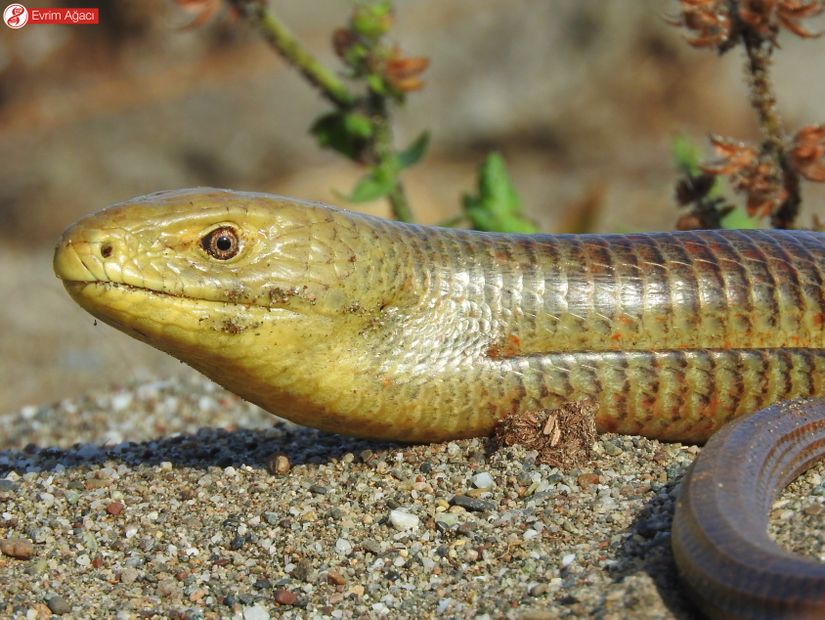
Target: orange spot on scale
(819, 319)
(616, 336)
(510, 347)
(386, 381)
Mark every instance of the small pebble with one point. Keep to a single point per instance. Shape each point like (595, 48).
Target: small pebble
(115, 508)
(403, 520)
(58, 605)
(8, 486)
(336, 578)
(278, 464)
(446, 520)
(343, 546)
(471, 503)
(255, 612)
(17, 548)
(169, 588)
(129, 575)
(483, 480)
(285, 597)
(262, 584)
(302, 570)
(586, 480)
(372, 546)
(121, 401)
(539, 589)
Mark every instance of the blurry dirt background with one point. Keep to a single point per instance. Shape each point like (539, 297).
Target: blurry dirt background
(582, 98)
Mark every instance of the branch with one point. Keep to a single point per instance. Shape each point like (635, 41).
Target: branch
(285, 43)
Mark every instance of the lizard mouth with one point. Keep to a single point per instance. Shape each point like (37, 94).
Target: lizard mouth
(125, 305)
(102, 285)
(172, 323)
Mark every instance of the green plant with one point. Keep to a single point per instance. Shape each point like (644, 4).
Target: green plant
(375, 78)
(496, 206)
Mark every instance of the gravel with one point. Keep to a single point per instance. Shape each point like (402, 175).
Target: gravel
(178, 499)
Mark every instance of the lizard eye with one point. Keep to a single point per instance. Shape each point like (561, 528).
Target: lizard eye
(221, 243)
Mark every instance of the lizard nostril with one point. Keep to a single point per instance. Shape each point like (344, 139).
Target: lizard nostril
(106, 249)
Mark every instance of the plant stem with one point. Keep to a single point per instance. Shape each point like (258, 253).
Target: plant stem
(786, 214)
(382, 155)
(763, 100)
(285, 43)
(399, 203)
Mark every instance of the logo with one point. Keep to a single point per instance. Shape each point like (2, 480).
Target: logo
(16, 16)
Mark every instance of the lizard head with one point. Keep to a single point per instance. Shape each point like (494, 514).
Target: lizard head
(250, 289)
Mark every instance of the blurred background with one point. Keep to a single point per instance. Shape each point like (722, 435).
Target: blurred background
(583, 98)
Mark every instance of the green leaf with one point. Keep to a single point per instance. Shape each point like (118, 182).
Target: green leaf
(688, 158)
(497, 207)
(377, 184)
(686, 155)
(377, 85)
(358, 125)
(414, 152)
(738, 218)
(345, 132)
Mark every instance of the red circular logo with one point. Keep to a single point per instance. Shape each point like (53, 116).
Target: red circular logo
(16, 16)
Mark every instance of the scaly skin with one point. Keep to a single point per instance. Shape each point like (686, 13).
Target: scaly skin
(362, 326)
(368, 327)
(725, 557)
